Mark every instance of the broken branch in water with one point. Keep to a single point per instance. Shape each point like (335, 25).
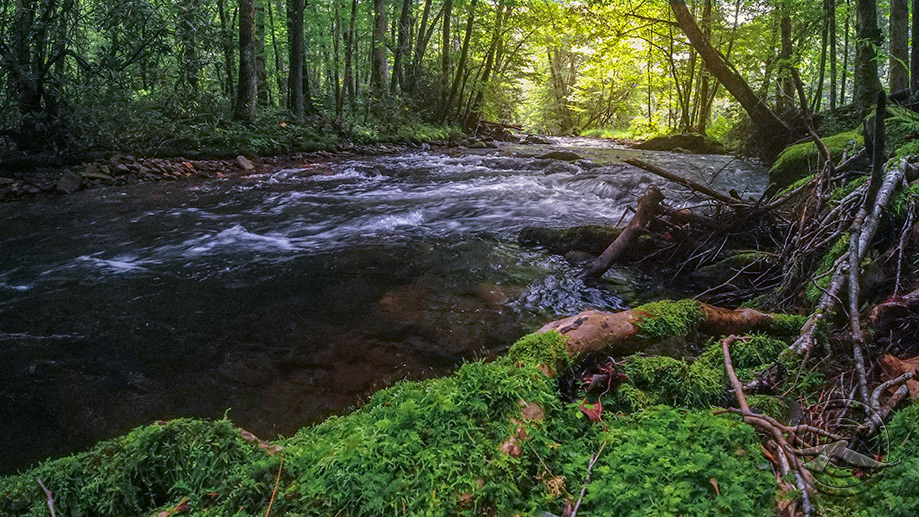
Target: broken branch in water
(647, 207)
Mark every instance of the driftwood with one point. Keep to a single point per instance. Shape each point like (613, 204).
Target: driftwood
(619, 332)
(647, 207)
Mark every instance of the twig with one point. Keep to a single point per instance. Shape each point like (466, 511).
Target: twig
(48, 497)
(274, 492)
(590, 466)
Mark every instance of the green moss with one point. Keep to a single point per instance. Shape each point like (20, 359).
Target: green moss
(676, 382)
(906, 200)
(799, 160)
(152, 467)
(785, 325)
(768, 405)
(666, 319)
(844, 190)
(539, 349)
(662, 462)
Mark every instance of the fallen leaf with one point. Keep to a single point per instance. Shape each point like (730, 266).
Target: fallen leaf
(593, 411)
(714, 483)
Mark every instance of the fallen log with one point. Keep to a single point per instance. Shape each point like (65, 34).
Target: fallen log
(626, 332)
(647, 206)
(692, 185)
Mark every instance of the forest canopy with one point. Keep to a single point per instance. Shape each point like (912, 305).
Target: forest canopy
(164, 74)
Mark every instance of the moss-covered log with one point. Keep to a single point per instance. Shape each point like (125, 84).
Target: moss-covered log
(625, 332)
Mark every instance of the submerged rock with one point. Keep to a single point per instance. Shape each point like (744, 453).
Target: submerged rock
(592, 238)
(567, 156)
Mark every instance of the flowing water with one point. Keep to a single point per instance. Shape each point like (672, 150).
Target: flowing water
(284, 297)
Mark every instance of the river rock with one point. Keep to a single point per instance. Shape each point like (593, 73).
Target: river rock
(592, 238)
(537, 140)
(245, 163)
(69, 183)
(691, 143)
(567, 156)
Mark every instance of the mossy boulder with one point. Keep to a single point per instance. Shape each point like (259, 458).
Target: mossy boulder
(592, 238)
(799, 160)
(687, 143)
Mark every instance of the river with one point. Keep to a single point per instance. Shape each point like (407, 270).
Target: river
(285, 297)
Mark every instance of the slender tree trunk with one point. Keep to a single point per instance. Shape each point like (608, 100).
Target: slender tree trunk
(349, 56)
(914, 50)
(868, 39)
(824, 43)
(759, 113)
(787, 92)
(264, 95)
(845, 57)
(421, 42)
(402, 46)
(702, 119)
(899, 45)
(831, 19)
(278, 62)
(186, 31)
(295, 99)
(247, 90)
(336, 37)
(461, 65)
(378, 55)
(500, 16)
(226, 40)
(445, 56)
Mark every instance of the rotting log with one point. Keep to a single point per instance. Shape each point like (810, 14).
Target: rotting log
(629, 331)
(647, 206)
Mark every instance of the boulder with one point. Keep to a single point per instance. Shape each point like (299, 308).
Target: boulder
(800, 160)
(537, 140)
(69, 183)
(245, 163)
(686, 143)
(593, 238)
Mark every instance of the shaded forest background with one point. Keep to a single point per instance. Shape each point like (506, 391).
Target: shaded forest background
(265, 75)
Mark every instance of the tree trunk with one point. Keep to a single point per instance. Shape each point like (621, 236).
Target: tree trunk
(336, 37)
(278, 63)
(845, 58)
(868, 38)
(226, 40)
(295, 102)
(246, 91)
(760, 114)
(899, 45)
(402, 47)
(831, 30)
(461, 65)
(261, 68)
(349, 56)
(186, 31)
(500, 16)
(378, 54)
(421, 42)
(445, 56)
(914, 51)
(785, 102)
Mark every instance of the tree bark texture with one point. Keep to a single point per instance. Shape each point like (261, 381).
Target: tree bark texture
(868, 38)
(295, 103)
(899, 45)
(246, 90)
(378, 54)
